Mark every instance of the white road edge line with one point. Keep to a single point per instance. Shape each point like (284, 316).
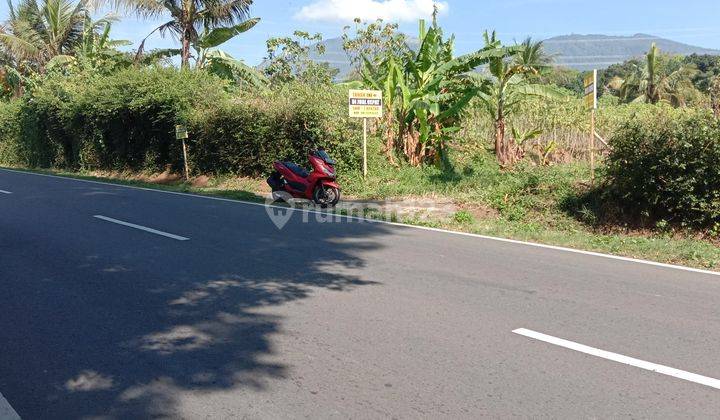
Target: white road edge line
(653, 367)
(5, 192)
(146, 229)
(472, 235)
(6, 410)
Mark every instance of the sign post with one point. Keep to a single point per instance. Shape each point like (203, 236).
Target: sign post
(181, 134)
(365, 104)
(590, 83)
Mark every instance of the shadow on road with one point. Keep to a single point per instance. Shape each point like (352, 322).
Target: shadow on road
(124, 331)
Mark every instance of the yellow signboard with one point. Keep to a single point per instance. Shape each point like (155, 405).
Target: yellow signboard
(590, 84)
(365, 104)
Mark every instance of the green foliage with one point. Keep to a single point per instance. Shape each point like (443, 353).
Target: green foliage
(425, 92)
(10, 132)
(564, 78)
(245, 135)
(513, 82)
(288, 60)
(663, 166)
(610, 79)
(126, 121)
(219, 21)
(39, 31)
(122, 121)
(662, 78)
(374, 42)
(708, 67)
(463, 217)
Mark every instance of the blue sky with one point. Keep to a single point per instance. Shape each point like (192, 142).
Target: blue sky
(690, 21)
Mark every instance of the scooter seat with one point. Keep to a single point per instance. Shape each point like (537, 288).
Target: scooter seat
(297, 170)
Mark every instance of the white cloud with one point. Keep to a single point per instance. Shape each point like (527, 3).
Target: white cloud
(389, 10)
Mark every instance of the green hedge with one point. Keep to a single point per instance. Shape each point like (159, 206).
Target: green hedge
(252, 130)
(665, 165)
(125, 121)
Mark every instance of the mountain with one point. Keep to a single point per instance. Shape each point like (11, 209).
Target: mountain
(585, 52)
(580, 52)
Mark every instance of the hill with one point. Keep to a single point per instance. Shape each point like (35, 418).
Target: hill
(580, 52)
(585, 52)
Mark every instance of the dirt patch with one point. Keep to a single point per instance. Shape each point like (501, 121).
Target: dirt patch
(480, 211)
(423, 208)
(201, 181)
(166, 177)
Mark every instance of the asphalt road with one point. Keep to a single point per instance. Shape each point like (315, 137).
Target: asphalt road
(178, 306)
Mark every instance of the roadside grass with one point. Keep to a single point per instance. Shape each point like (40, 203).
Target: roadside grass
(528, 203)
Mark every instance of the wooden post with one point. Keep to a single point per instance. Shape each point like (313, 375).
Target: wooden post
(592, 147)
(187, 169)
(365, 170)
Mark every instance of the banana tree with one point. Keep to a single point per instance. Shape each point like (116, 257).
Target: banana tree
(426, 91)
(508, 87)
(389, 78)
(96, 47)
(220, 63)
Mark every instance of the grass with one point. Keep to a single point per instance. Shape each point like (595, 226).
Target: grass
(527, 203)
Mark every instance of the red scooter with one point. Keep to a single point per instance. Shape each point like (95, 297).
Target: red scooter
(317, 185)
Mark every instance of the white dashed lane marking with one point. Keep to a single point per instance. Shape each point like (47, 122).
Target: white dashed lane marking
(653, 367)
(143, 228)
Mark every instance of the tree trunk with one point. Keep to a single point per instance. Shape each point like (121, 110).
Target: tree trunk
(500, 146)
(390, 138)
(185, 56)
(411, 140)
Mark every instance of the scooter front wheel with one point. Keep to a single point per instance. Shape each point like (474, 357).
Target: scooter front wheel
(326, 196)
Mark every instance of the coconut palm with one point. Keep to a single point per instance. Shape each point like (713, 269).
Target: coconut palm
(36, 33)
(660, 79)
(533, 56)
(190, 18)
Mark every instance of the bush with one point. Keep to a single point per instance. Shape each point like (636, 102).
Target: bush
(126, 121)
(245, 135)
(122, 121)
(664, 166)
(9, 133)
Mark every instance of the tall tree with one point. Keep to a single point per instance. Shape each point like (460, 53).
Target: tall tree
(660, 79)
(37, 32)
(509, 85)
(189, 18)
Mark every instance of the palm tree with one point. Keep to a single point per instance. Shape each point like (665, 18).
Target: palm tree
(533, 56)
(509, 87)
(38, 32)
(660, 80)
(189, 18)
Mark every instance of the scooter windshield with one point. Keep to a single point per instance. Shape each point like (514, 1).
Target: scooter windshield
(325, 157)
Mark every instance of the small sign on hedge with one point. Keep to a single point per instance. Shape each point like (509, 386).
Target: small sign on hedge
(181, 132)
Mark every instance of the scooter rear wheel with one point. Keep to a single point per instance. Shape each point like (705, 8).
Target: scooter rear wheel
(326, 196)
